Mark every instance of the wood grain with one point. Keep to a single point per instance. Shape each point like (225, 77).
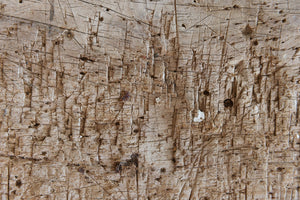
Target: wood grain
(98, 99)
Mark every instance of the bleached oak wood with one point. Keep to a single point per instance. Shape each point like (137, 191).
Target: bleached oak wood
(105, 99)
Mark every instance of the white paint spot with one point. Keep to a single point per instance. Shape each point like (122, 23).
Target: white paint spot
(157, 99)
(200, 116)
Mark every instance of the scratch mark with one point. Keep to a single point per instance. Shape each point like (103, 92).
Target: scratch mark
(51, 2)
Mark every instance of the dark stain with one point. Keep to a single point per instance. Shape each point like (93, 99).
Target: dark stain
(125, 96)
(19, 183)
(247, 31)
(206, 93)
(163, 170)
(134, 159)
(86, 59)
(81, 170)
(118, 166)
(228, 103)
(57, 42)
(279, 169)
(255, 42)
(20, 1)
(158, 179)
(136, 130)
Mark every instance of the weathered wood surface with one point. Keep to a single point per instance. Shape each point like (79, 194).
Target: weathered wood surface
(99, 99)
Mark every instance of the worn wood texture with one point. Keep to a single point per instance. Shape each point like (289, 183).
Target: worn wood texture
(100, 99)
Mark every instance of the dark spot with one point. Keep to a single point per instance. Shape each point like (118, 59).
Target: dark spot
(20, 1)
(162, 170)
(174, 160)
(136, 130)
(82, 73)
(81, 170)
(279, 169)
(134, 159)
(274, 38)
(280, 11)
(86, 59)
(87, 171)
(18, 183)
(142, 117)
(56, 42)
(101, 19)
(283, 21)
(228, 103)
(235, 6)
(69, 34)
(206, 93)
(221, 37)
(118, 167)
(247, 30)
(36, 124)
(124, 96)
(255, 42)
(158, 179)
(107, 9)
(117, 123)
(44, 153)
(183, 25)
